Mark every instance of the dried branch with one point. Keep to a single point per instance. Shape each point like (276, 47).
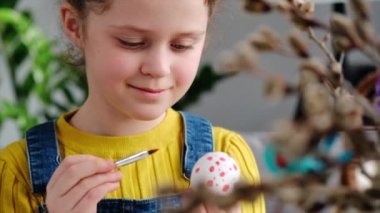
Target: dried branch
(322, 45)
(331, 105)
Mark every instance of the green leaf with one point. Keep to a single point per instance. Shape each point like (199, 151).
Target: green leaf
(26, 87)
(68, 95)
(9, 110)
(8, 3)
(45, 74)
(17, 57)
(61, 108)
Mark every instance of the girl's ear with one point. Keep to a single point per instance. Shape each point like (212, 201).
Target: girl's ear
(72, 24)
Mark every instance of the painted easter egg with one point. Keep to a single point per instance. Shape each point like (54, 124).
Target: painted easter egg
(217, 171)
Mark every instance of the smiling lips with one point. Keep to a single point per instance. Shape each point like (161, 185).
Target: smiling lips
(148, 90)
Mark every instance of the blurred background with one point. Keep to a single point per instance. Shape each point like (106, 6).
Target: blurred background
(37, 84)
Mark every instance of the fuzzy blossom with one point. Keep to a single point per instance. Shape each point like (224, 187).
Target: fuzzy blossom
(336, 73)
(304, 23)
(304, 7)
(336, 68)
(307, 77)
(282, 6)
(318, 105)
(322, 122)
(311, 65)
(365, 30)
(242, 58)
(228, 62)
(343, 27)
(265, 39)
(317, 99)
(301, 15)
(276, 87)
(289, 193)
(298, 44)
(341, 43)
(360, 8)
(257, 6)
(292, 139)
(348, 112)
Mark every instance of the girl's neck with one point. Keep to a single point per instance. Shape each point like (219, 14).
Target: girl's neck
(106, 123)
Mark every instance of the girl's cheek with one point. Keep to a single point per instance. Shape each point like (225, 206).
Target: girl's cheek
(120, 66)
(186, 76)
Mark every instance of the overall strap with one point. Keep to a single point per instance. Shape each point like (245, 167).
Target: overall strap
(198, 141)
(43, 155)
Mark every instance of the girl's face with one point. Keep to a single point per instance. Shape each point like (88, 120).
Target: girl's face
(142, 55)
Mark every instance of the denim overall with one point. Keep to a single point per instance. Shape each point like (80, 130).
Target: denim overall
(44, 157)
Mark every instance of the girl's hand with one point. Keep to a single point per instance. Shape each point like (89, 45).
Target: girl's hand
(208, 208)
(79, 183)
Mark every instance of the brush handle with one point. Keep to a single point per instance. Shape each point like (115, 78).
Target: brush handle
(132, 158)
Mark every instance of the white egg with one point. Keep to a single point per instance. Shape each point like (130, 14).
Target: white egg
(217, 171)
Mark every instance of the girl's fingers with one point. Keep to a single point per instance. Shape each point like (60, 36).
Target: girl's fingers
(84, 186)
(66, 163)
(207, 207)
(212, 208)
(75, 173)
(235, 209)
(93, 196)
(200, 209)
(185, 202)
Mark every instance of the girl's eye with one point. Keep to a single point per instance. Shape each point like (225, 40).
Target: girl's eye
(181, 47)
(132, 45)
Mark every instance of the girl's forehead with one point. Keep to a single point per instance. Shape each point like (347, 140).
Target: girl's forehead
(159, 6)
(153, 14)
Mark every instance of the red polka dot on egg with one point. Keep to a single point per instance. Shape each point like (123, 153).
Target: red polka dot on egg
(226, 187)
(212, 168)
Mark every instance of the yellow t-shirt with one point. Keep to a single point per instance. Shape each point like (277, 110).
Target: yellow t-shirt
(140, 179)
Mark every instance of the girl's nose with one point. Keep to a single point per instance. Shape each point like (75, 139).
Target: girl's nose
(156, 63)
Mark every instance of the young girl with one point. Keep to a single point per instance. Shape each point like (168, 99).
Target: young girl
(141, 56)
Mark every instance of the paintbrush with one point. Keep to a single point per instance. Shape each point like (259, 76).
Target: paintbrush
(135, 157)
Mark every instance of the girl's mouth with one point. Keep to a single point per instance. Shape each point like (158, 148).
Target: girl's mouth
(148, 90)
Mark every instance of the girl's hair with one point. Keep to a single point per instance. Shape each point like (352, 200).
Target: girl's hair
(83, 6)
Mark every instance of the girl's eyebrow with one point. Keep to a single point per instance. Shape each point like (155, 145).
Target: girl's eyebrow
(195, 33)
(130, 28)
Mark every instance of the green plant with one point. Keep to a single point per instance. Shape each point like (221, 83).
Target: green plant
(37, 73)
